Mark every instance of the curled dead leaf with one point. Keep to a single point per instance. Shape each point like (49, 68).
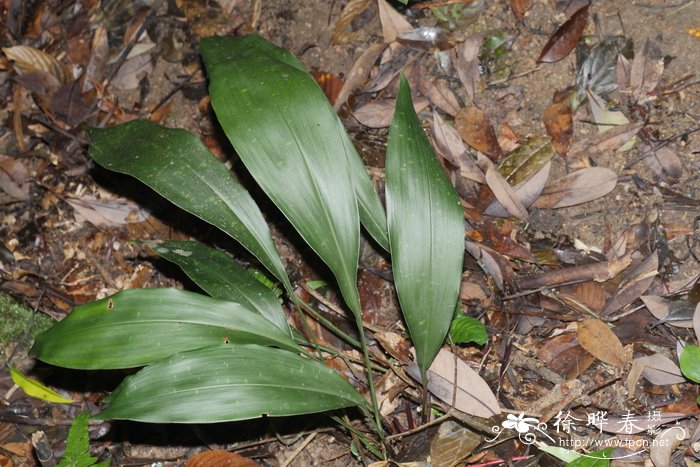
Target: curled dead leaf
(565, 37)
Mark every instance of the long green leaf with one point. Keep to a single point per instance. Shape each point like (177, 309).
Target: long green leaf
(179, 167)
(426, 232)
(222, 277)
(227, 383)
(293, 144)
(141, 326)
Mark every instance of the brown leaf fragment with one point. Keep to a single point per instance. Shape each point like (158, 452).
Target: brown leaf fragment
(468, 64)
(358, 73)
(622, 74)
(607, 141)
(666, 443)
(343, 30)
(519, 8)
(476, 130)
(660, 370)
(494, 264)
(393, 22)
(474, 396)
(447, 141)
(646, 71)
(664, 162)
(577, 188)
(452, 443)
(330, 84)
(560, 126)
(439, 94)
(635, 283)
(565, 37)
(13, 178)
(526, 192)
(97, 65)
(596, 337)
(378, 114)
(29, 59)
(217, 458)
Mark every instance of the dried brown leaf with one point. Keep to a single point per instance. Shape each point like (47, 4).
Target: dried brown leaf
(447, 141)
(646, 71)
(598, 340)
(657, 306)
(97, 65)
(474, 396)
(591, 294)
(476, 130)
(635, 283)
(665, 443)
(576, 188)
(468, 64)
(358, 73)
(565, 37)
(622, 74)
(13, 178)
(378, 114)
(330, 84)
(664, 163)
(519, 8)
(343, 31)
(217, 458)
(501, 189)
(452, 443)
(439, 95)
(660, 370)
(29, 59)
(526, 192)
(109, 212)
(559, 124)
(494, 264)
(607, 141)
(393, 22)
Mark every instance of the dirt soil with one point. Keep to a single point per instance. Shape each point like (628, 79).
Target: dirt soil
(68, 225)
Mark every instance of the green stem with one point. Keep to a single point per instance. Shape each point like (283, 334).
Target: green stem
(335, 329)
(370, 383)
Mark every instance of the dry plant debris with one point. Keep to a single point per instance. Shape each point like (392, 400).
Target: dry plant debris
(582, 261)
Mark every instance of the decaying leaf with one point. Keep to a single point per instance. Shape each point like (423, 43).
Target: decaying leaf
(665, 443)
(439, 95)
(660, 370)
(95, 69)
(607, 141)
(452, 443)
(220, 458)
(447, 141)
(494, 264)
(358, 73)
(476, 130)
(598, 72)
(559, 123)
(664, 162)
(527, 160)
(577, 187)
(647, 68)
(393, 22)
(474, 396)
(565, 38)
(526, 192)
(604, 117)
(635, 283)
(468, 64)
(501, 189)
(330, 84)
(13, 178)
(378, 114)
(110, 212)
(596, 337)
(29, 59)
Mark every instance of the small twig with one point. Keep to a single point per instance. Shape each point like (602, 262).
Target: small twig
(298, 450)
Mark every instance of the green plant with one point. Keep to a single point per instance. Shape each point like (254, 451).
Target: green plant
(232, 355)
(78, 444)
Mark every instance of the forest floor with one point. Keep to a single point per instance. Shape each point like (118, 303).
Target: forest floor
(571, 279)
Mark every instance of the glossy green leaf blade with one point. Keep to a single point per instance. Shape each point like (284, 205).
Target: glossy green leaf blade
(141, 326)
(227, 383)
(465, 329)
(690, 362)
(179, 167)
(426, 232)
(292, 143)
(222, 277)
